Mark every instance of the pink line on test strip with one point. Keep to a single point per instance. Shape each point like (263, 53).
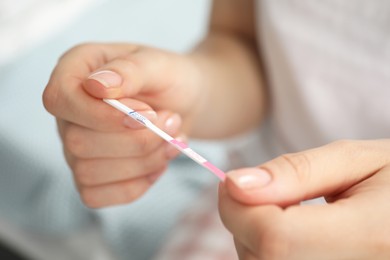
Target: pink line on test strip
(197, 158)
(178, 143)
(182, 147)
(211, 167)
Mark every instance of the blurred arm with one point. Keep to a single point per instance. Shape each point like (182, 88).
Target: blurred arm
(231, 72)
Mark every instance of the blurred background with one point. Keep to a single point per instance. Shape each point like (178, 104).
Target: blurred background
(60, 24)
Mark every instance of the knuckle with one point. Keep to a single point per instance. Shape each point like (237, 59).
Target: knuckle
(52, 93)
(155, 162)
(143, 143)
(88, 197)
(300, 163)
(78, 48)
(74, 141)
(350, 149)
(84, 49)
(378, 149)
(355, 148)
(128, 61)
(129, 195)
(344, 145)
(133, 190)
(81, 47)
(83, 173)
(132, 65)
(49, 99)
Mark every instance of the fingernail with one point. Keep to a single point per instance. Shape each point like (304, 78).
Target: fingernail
(170, 151)
(250, 178)
(107, 78)
(172, 124)
(133, 124)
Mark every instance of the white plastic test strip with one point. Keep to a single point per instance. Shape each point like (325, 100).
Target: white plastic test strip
(182, 147)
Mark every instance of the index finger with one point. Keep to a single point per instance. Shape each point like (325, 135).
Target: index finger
(65, 98)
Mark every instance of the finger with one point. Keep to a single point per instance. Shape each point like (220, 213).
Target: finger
(81, 60)
(65, 98)
(142, 71)
(250, 218)
(94, 172)
(161, 79)
(242, 252)
(298, 232)
(292, 178)
(86, 143)
(76, 106)
(114, 193)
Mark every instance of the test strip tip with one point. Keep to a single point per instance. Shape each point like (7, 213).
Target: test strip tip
(220, 174)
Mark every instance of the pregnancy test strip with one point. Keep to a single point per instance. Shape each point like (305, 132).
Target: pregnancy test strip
(182, 147)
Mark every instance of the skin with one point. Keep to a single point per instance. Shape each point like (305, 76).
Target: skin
(114, 160)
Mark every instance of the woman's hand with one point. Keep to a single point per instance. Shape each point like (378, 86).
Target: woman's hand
(213, 92)
(113, 158)
(260, 206)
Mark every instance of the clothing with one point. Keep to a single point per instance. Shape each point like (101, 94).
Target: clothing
(327, 65)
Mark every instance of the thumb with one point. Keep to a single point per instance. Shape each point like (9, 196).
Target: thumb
(104, 84)
(143, 71)
(323, 171)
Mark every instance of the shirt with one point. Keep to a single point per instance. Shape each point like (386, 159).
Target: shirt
(327, 65)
